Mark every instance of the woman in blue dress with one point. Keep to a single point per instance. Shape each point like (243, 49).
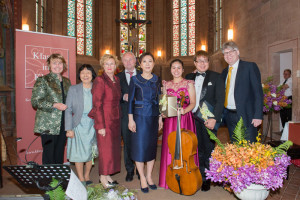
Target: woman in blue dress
(79, 127)
(144, 119)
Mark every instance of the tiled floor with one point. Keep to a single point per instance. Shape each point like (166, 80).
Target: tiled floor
(291, 187)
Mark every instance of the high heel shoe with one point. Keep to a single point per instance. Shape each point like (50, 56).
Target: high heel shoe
(107, 185)
(113, 183)
(152, 187)
(144, 190)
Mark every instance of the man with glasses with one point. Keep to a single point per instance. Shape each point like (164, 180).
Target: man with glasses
(210, 88)
(243, 94)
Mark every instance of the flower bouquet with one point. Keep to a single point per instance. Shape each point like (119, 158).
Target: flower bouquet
(242, 163)
(98, 192)
(274, 98)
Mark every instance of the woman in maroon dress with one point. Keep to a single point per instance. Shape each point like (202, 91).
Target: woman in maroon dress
(106, 114)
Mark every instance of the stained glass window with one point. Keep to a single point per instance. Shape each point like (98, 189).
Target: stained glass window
(183, 27)
(80, 25)
(218, 24)
(39, 15)
(129, 9)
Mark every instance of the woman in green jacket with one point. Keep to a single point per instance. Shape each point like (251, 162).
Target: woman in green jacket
(48, 98)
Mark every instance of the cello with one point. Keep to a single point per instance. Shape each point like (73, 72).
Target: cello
(183, 175)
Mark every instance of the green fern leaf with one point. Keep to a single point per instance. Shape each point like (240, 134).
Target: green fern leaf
(58, 193)
(281, 149)
(239, 132)
(213, 137)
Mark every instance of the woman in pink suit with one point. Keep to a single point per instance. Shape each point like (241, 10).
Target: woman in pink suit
(175, 87)
(106, 114)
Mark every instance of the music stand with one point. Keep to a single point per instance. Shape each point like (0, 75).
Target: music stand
(40, 176)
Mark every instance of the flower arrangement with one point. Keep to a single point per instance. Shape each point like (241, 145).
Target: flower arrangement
(274, 98)
(98, 192)
(242, 163)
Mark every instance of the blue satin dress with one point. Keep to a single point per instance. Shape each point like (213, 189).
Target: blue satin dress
(143, 100)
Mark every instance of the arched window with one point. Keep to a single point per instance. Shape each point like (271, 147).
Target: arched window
(40, 6)
(183, 27)
(219, 24)
(80, 25)
(126, 11)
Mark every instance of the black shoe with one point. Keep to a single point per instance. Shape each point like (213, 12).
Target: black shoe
(129, 176)
(144, 190)
(152, 187)
(138, 175)
(205, 186)
(114, 183)
(89, 182)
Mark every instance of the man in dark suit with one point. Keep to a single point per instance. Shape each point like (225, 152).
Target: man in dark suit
(209, 87)
(244, 95)
(129, 62)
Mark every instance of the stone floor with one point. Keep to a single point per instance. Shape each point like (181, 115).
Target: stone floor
(12, 190)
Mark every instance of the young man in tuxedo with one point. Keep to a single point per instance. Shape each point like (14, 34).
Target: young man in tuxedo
(209, 87)
(286, 113)
(244, 95)
(129, 62)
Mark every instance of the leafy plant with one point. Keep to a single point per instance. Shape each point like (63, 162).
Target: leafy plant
(58, 193)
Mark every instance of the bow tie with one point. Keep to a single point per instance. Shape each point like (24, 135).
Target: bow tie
(200, 74)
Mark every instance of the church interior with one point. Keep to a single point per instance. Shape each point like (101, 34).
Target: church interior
(267, 32)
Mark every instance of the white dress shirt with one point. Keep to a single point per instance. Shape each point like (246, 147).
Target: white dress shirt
(128, 75)
(288, 91)
(198, 86)
(231, 102)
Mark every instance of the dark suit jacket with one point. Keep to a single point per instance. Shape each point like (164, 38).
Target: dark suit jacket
(124, 90)
(213, 91)
(248, 94)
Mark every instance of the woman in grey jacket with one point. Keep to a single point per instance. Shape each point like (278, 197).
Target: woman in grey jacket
(79, 127)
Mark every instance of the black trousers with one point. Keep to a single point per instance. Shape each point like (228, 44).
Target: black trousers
(286, 114)
(231, 120)
(205, 147)
(54, 146)
(129, 163)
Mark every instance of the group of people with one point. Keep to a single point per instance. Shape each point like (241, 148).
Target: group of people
(101, 109)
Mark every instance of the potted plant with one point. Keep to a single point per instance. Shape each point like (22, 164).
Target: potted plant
(242, 164)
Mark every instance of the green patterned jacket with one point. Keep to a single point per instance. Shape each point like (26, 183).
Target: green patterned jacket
(45, 93)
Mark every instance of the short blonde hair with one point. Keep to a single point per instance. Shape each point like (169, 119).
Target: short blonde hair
(106, 57)
(57, 56)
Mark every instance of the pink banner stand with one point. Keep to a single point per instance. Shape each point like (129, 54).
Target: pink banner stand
(32, 51)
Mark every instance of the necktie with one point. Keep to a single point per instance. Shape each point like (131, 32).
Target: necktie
(284, 82)
(130, 73)
(202, 74)
(227, 86)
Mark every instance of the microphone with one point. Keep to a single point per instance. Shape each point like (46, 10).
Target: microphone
(31, 162)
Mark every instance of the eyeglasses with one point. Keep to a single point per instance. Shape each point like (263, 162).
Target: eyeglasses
(229, 52)
(201, 61)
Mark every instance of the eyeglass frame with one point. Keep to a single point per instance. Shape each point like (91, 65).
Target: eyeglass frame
(229, 52)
